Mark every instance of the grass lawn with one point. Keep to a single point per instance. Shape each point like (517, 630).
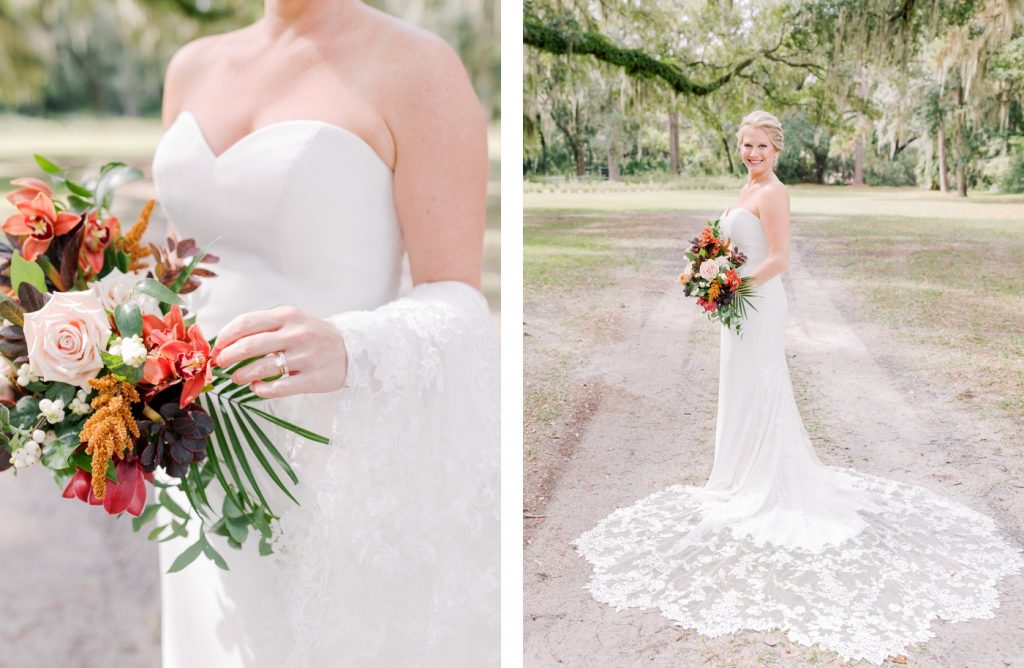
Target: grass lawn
(942, 276)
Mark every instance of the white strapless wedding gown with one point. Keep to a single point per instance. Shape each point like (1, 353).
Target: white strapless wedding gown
(857, 564)
(393, 557)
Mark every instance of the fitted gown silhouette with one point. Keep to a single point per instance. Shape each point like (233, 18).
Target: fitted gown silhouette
(392, 559)
(855, 563)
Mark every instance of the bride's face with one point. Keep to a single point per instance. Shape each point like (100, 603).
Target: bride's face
(757, 151)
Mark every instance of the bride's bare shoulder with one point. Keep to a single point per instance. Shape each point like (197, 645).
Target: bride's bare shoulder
(190, 61)
(412, 61)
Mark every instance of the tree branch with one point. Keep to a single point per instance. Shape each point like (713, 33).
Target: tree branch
(563, 35)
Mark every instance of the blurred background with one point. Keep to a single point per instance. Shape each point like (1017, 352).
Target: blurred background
(880, 92)
(80, 83)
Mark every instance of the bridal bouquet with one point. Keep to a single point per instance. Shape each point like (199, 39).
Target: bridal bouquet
(110, 385)
(710, 276)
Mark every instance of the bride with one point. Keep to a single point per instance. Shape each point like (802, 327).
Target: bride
(857, 564)
(315, 148)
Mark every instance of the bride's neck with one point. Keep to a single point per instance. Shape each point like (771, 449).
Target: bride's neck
(304, 16)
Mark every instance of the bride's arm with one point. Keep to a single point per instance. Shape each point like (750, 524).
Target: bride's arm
(774, 209)
(440, 182)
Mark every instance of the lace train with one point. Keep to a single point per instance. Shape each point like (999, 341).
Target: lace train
(919, 557)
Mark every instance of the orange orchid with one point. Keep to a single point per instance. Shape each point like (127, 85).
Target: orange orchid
(28, 188)
(98, 235)
(39, 221)
(732, 279)
(176, 353)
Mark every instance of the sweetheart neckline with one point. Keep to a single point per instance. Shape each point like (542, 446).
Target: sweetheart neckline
(728, 209)
(270, 126)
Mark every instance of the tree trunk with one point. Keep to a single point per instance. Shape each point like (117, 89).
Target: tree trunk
(858, 161)
(728, 153)
(943, 184)
(580, 158)
(673, 140)
(961, 180)
(613, 164)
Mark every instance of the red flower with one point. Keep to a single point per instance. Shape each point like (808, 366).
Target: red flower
(706, 305)
(732, 279)
(29, 188)
(98, 236)
(128, 493)
(176, 354)
(40, 222)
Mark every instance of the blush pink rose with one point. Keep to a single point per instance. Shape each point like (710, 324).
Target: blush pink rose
(65, 337)
(708, 269)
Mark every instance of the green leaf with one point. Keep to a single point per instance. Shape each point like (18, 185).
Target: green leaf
(213, 555)
(186, 273)
(178, 530)
(80, 204)
(158, 291)
(129, 319)
(156, 532)
(239, 453)
(271, 449)
(238, 529)
(78, 189)
(5, 418)
(147, 516)
(11, 311)
(295, 429)
(26, 413)
(84, 462)
(61, 391)
(112, 176)
(167, 502)
(197, 484)
(23, 271)
(189, 555)
(213, 459)
(187, 487)
(231, 444)
(265, 549)
(56, 456)
(46, 165)
(231, 511)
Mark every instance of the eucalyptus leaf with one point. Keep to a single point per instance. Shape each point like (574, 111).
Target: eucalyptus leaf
(128, 317)
(158, 291)
(113, 176)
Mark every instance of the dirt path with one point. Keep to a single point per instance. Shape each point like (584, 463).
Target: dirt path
(654, 426)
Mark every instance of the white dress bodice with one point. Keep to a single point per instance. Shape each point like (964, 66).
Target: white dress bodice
(314, 226)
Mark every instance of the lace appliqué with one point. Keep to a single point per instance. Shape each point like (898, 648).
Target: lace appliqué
(393, 558)
(921, 557)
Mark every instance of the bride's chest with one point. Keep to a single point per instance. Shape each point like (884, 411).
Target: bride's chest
(290, 192)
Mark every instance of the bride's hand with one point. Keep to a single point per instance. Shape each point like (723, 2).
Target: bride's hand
(314, 351)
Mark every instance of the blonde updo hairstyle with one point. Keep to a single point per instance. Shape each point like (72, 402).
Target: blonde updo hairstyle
(767, 122)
